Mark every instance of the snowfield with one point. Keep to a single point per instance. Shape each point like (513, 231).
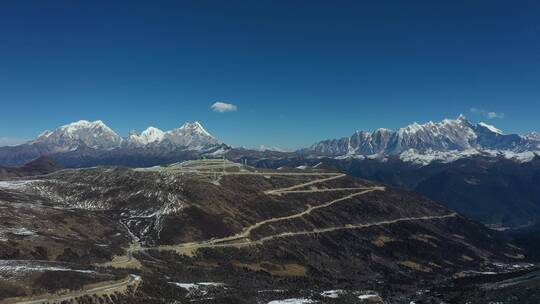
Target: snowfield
(15, 269)
(292, 301)
(15, 185)
(363, 295)
(426, 157)
(334, 294)
(367, 296)
(200, 287)
(5, 232)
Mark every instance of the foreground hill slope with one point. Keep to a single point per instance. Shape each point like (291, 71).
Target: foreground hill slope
(259, 235)
(39, 166)
(494, 191)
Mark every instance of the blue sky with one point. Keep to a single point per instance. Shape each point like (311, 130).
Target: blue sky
(297, 71)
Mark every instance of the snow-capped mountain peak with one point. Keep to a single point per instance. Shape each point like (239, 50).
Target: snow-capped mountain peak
(534, 136)
(449, 133)
(151, 134)
(97, 135)
(75, 127)
(92, 140)
(490, 128)
(148, 136)
(412, 128)
(383, 130)
(191, 134)
(195, 127)
(94, 134)
(462, 118)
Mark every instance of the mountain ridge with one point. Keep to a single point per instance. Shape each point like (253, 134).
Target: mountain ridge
(444, 141)
(83, 138)
(423, 143)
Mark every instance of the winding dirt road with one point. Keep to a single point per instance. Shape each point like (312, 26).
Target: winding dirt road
(240, 239)
(318, 231)
(118, 286)
(302, 185)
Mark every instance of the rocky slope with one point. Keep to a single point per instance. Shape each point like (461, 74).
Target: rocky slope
(42, 165)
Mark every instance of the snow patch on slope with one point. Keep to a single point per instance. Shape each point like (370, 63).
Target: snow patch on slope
(426, 157)
(15, 185)
(201, 287)
(6, 232)
(14, 269)
(292, 301)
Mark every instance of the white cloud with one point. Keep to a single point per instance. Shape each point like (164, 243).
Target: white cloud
(487, 114)
(7, 141)
(223, 107)
(495, 115)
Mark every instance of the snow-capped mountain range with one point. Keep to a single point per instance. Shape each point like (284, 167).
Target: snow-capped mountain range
(447, 140)
(97, 135)
(190, 135)
(87, 143)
